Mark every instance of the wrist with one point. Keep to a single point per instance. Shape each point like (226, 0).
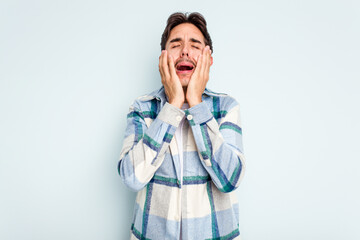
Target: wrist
(177, 103)
(194, 102)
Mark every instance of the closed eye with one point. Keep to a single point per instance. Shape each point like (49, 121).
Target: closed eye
(195, 47)
(175, 46)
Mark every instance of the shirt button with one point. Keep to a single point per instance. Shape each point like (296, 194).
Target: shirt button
(189, 117)
(178, 118)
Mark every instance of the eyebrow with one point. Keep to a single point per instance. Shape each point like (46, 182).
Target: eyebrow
(195, 40)
(180, 39)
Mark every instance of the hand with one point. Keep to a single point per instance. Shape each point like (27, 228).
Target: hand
(199, 78)
(170, 80)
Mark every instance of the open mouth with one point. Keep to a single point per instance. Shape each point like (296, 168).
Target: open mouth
(184, 67)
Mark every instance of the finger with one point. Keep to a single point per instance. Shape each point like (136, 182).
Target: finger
(165, 66)
(160, 66)
(172, 67)
(203, 74)
(198, 66)
(203, 61)
(208, 63)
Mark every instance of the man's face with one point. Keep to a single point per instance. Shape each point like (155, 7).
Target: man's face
(185, 44)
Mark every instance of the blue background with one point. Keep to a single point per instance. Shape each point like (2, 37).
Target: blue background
(69, 71)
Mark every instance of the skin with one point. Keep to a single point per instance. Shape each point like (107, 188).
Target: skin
(185, 43)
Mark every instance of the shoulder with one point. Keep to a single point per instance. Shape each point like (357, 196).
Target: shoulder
(147, 101)
(221, 101)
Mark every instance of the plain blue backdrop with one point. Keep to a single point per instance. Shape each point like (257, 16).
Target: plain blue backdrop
(69, 71)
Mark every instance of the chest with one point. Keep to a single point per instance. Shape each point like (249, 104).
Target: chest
(182, 160)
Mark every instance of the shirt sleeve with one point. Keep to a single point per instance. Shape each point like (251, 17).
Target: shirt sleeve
(219, 145)
(144, 146)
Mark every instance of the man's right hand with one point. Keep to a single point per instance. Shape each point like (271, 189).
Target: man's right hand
(170, 80)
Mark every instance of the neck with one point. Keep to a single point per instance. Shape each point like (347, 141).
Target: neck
(185, 88)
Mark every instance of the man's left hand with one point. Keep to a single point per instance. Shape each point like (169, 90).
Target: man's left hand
(199, 78)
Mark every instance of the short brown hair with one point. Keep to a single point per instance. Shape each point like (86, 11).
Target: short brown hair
(178, 18)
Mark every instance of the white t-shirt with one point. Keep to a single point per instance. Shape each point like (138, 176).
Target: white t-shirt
(178, 136)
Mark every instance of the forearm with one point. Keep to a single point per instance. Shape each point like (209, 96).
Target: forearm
(143, 153)
(219, 145)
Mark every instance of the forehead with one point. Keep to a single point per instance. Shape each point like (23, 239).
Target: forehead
(186, 31)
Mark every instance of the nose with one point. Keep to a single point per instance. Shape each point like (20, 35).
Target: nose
(184, 52)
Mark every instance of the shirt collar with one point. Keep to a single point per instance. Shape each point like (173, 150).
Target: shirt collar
(160, 95)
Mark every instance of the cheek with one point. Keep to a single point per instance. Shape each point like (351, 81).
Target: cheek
(174, 53)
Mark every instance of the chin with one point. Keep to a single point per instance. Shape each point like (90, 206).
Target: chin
(184, 80)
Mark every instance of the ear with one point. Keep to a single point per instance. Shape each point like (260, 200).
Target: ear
(211, 61)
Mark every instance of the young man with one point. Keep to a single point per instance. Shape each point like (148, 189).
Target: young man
(183, 149)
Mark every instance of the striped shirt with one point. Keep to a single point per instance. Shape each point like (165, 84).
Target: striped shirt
(204, 203)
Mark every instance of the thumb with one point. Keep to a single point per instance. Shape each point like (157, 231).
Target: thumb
(172, 66)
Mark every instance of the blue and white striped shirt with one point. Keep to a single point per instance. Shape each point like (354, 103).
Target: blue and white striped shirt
(213, 166)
